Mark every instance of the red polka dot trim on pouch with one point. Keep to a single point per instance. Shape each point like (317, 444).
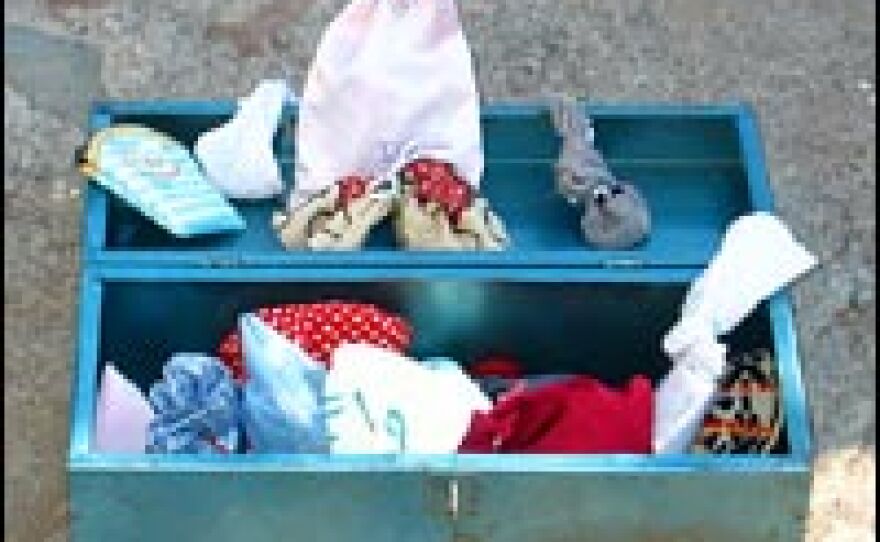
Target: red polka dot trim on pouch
(437, 182)
(351, 188)
(319, 328)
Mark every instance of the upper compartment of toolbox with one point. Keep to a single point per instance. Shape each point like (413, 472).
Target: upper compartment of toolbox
(698, 167)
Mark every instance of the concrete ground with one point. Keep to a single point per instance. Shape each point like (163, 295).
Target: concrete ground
(807, 65)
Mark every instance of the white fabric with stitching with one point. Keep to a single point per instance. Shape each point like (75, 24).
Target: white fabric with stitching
(380, 402)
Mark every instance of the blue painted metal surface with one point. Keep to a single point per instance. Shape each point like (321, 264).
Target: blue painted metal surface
(558, 305)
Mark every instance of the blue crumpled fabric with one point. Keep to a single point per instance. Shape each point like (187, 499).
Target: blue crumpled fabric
(197, 407)
(282, 404)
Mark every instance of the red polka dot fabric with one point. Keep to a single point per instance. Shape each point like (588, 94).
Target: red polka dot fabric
(319, 328)
(437, 182)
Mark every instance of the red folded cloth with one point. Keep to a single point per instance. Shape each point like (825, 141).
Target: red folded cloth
(319, 328)
(579, 415)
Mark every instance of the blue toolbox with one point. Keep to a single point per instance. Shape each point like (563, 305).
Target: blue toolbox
(562, 306)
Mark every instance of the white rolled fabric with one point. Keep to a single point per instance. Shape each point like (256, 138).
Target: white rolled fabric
(758, 257)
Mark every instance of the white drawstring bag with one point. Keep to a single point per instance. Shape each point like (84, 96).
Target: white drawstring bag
(389, 76)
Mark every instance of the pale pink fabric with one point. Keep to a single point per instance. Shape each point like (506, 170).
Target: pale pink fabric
(122, 415)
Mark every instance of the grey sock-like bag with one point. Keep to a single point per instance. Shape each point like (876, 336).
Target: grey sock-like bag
(616, 215)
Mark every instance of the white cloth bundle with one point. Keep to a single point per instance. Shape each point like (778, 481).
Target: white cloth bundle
(237, 157)
(387, 75)
(758, 256)
(380, 402)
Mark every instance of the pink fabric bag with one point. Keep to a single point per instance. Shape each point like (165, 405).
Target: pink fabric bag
(390, 79)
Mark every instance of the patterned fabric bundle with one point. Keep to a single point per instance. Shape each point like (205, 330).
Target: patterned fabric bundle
(434, 208)
(319, 328)
(746, 416)
(157, 176)
(339, 217)
(439, 210)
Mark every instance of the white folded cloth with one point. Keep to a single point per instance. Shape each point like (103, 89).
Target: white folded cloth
(758, 257)
(237, 157)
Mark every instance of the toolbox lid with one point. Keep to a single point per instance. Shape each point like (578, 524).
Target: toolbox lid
(698, 166)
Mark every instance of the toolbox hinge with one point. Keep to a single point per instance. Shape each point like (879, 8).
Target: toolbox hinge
(226, 262)
(627, 263)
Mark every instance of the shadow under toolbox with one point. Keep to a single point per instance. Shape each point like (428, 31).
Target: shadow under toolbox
(560, 306)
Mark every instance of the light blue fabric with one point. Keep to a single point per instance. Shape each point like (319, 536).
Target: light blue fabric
(282, 404)
(196, 407)
(159, 177)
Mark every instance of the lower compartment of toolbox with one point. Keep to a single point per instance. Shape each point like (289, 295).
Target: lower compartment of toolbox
(605, 323)
(608, 330)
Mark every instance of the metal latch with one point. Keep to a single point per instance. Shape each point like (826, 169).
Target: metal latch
(452, 501)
